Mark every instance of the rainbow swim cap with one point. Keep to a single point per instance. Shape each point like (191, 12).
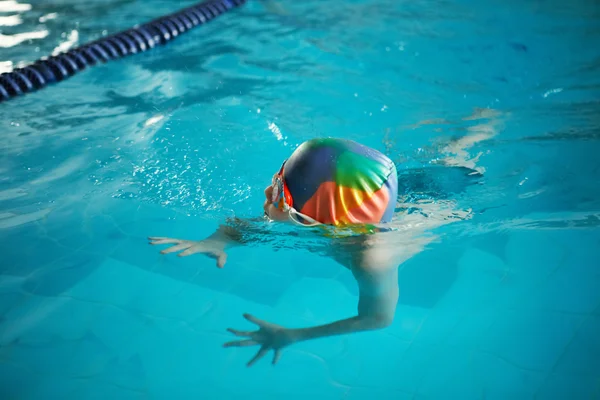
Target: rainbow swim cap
(337, 182)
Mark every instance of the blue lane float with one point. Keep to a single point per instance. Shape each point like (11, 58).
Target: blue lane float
(135, 40)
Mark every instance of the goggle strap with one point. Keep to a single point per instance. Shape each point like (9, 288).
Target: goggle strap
(293, 216)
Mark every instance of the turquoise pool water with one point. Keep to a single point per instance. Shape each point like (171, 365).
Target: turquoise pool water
(500, 290)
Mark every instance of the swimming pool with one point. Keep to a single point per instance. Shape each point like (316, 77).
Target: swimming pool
(490, 111)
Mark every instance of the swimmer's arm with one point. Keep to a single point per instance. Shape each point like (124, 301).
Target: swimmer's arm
(238, 231)
(376, 308)
(233, 232)
(376, 273)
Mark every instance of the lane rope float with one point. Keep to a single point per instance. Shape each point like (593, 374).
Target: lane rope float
(132, 41)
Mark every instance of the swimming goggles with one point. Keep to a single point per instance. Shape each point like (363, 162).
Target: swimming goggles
(278, 197)
(282, 199)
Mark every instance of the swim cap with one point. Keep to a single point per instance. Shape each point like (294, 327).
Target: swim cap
(340, 182)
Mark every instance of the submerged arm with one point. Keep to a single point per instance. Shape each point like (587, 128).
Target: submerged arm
(375, 268)
(378, 296)
(234, 232)
(377, 276)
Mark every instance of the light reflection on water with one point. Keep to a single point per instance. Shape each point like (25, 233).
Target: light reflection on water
(181, 126)
(490, 114)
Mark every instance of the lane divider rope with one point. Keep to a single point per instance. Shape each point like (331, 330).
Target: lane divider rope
(135, 40)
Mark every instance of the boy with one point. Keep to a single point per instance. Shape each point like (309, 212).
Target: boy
(346, 190)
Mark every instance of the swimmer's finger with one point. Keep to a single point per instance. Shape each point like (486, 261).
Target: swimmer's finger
(221, 259)
(276, 356)
(261, 353)
(173, 249)
(241, 343)
(259, 322)
(239, 333)
(191, 250)
(162, 240)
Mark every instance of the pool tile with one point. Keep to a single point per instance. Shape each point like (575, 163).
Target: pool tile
(75, 240)
(196, 361)
(9, 300)
(581, 356)
(48, 387)
(282, 380)
(137, 251)
(317, 300)
(261, 287)
(112, 282)
(104, 233)
(549, 254)
(311, 265)
(52, 358)
(162, 222)
(530, 340)
(125, 372)
(22, 322)
(94, 389)
(315, 380)
(90, 357)
(58, 278)
(15, 380)
(69, 320)
(425, 278)
(358, 393)
(380, 354)
(408, 322)
(345, 278)
(197, 388)
(203, 309)
(480, 265)
(157, 297)
(22, 255)
(339, 354)
(471, 330)
(559, 386)
(501, 379)
(570, 289)
(195, 352)
(451, 374)
(437, 327)
(493, 243)
(118, 330)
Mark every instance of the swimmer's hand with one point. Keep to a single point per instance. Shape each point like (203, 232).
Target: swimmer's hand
(268, 337)
(210, 247)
